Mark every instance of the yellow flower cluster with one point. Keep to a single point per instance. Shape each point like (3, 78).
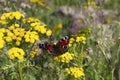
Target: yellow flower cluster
(66, 57)
(91, 3)
(31, 20)
(10, 16)
(9, 35)
(41, 3)
(2, 42)
(16, 53)
(76, 72)
(77, 39)
(14, 32)
(31, 36)
(17, 32)
(33, 52)
(18, 35)
(38, 26)
(80, 37)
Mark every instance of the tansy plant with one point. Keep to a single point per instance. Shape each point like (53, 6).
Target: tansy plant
(18, 35)
(20, 32)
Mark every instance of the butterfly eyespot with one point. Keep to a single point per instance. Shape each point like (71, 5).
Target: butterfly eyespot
(41, 45)
(65, 47)
(67, 37)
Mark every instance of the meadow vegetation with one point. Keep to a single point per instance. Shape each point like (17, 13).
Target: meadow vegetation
(93, 50)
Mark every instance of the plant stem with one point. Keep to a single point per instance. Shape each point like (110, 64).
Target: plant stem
(20, 70)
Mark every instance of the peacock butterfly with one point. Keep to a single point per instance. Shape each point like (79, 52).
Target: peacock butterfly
(56, 49)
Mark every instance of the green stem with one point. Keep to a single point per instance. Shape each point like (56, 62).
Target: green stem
(20, 70)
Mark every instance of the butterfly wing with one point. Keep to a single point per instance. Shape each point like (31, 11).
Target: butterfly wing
(47, 47)
(62, 45)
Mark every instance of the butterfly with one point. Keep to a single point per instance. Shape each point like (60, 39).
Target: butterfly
(56, 49)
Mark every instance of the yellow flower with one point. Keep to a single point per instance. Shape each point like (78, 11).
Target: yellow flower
(11, 15)
(9, 36)
(18, 43)
(20, 57)
(17, 25)
(31, 36)
(76, 72)
(4, 22)
(16, 53)
(66, 57)
(43, 29)
(33, 52)
(11, 27)
(80, 39)
(34, 24)
(8, 39)
(37, 25)
(14, 37)
(32, 40)
(49, 32)
(12, 56)
(3, 17)
(77, 39)
(18, 38)
(69, 44)
(88, 3)
(18, 15)
(33, 1)
(41, 3)
(71, 40)
(16, 34)
(59, 25)
(2, 43)
(2, 30)
(32, 21)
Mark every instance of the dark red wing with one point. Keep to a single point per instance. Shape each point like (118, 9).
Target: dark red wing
(64, 41)
(63, 44)
(47, 47)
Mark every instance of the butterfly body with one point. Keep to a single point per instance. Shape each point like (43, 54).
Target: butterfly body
(56, 49)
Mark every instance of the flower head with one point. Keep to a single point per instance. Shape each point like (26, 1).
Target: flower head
(34, 52)
(2, 42)
(38, 26)
(16, 53)
(11, 16)
(66, 57)
(76, 72)
(31, 36)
